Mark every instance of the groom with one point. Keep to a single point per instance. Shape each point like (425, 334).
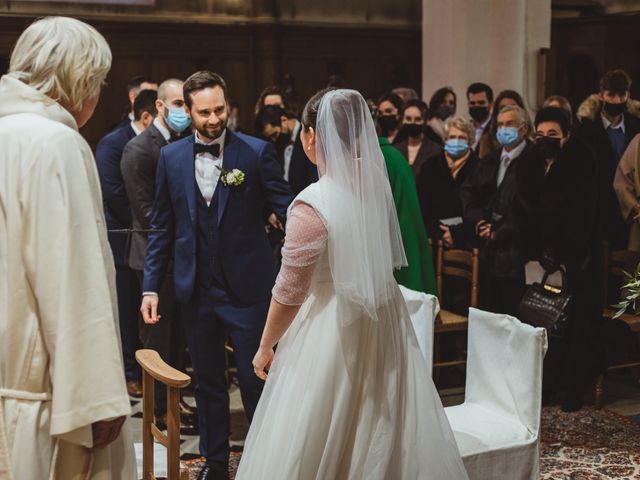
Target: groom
(213, 225)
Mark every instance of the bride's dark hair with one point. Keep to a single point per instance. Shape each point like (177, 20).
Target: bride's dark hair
(310, 112)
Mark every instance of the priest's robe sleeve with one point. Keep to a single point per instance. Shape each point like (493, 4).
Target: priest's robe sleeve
(70, 271)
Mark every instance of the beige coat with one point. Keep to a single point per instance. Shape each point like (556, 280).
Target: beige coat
(627, 186)
(60, 362)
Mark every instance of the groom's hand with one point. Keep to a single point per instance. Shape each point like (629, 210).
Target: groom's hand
(149, 309)
(262, 362)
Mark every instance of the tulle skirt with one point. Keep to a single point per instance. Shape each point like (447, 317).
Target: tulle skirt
(349, 397)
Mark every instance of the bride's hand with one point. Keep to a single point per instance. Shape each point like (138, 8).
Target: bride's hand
(262, 362)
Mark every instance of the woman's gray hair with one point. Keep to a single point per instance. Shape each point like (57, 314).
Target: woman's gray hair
(463, 125)
(63, 58)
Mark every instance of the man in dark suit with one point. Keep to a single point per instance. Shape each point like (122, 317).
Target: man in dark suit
(282, 128)
(118, 216)
(139, 163)
(212, 189)
(607, 127)
(488, 207)
(134, 87)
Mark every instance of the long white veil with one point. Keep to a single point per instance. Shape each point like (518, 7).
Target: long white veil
(365, 244)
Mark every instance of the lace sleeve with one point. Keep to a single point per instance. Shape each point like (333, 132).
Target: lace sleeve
(305, 242)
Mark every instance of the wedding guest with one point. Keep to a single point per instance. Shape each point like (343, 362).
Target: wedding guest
(135, 86)
(627, 187)
(607, 125)
(416, 147)
(488, 197)
(560, 102)
(488, 142)
(117, 212)
(418, 275)
(63, 398)
(271, 95)
(283, 129)
(211, 218)
(480, 103)
(138, 167)
(442, 106)
(561, 229)
(389, 115)
(440, 182)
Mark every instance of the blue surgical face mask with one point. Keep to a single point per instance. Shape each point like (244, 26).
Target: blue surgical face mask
(177, 119)
(456, 147)
(508, 136)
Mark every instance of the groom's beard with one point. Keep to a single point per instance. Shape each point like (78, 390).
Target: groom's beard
(208, 134)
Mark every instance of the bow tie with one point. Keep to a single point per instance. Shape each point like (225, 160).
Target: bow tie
(212, 149)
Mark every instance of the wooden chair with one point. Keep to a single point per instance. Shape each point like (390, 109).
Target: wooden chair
(456, 263)
(615, 264)
(154, 369)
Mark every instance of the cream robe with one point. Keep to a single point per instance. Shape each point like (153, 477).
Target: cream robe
(60, 361)
(627, 186)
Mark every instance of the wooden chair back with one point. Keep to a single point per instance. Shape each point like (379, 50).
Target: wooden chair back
(154, 369)
(458, 263)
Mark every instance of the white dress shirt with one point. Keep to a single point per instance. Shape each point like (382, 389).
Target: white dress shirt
(507, 157)
(288, 152)
(208, 167)
(162, 129)
(606, 123)
(479, 131)
(135, 129)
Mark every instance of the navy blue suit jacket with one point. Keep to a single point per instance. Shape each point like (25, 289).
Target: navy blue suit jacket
(114, 197)
(246, 258)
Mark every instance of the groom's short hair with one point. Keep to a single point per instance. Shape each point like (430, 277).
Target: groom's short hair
(201, 80)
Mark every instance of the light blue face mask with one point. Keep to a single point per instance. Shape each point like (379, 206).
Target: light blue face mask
(456, 147)
(508, 136)
(177, 119)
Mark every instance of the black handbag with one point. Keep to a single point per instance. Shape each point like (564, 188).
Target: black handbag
(546, 306)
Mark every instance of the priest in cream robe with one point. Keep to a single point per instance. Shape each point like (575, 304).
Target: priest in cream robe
(63, 398)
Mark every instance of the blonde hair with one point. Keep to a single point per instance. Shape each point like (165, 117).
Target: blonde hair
(463, 125)
(63, 58)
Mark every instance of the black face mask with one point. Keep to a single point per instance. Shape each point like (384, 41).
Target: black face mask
(479, 114)
(412, 129)
(445, 111)
(388, 123)
(615, 109)
(549, 147)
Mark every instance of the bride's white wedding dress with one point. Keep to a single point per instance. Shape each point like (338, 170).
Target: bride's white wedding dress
(348, 395)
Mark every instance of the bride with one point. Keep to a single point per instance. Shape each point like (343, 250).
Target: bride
(348, 395)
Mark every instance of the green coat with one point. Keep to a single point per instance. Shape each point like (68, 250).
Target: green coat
(419, 274)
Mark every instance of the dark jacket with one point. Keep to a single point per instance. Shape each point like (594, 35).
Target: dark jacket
(439, 195)
(591, 130)
(482, 199)
(427, 149)
(246, 258)
(114, 197)
(560, 206)
(302, 172)
(139, 162)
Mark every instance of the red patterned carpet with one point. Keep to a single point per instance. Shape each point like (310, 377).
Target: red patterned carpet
(587, 445)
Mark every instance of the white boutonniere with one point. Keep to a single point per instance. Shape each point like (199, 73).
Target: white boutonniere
(231, 178)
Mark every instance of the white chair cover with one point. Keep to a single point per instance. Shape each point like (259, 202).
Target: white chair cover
(423, 309)
(497, 426)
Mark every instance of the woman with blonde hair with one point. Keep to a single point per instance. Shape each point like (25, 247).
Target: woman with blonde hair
(63, 398)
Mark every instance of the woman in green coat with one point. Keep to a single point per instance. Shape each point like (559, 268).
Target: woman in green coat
(418, 275)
